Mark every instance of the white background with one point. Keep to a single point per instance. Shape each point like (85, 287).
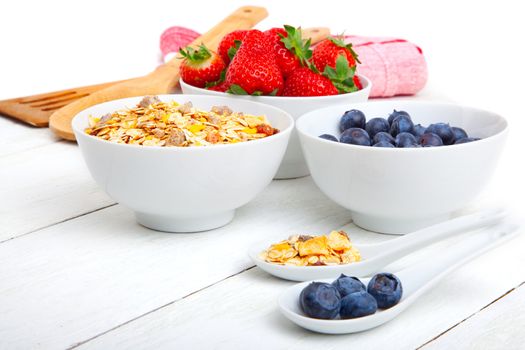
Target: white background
(474, 49)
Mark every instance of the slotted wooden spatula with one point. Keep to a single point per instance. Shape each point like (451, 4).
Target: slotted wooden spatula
(37, 109)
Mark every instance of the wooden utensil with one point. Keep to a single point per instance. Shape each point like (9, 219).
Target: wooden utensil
(37, 109)
(163, 80)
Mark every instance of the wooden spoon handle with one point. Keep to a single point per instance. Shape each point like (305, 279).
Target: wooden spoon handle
(162, 80)
(316, 34)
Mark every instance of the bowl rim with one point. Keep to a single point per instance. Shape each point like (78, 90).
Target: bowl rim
(299, 126)
(79, 131)
(367, 87)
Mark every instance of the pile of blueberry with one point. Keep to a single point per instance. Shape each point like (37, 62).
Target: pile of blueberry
(396, 131)
(347, 297)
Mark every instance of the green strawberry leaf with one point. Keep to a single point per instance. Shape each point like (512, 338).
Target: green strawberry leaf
(236, 90)
(274, 92)
(192, 55)
(342, 76)
(295, 43)
(257, 93)
(233, 50)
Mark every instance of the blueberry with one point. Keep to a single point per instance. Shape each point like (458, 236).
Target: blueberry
(459, 133)
(396, 114)
(357, 304)
(419, 130)
(352, 119)
(405, 140)
(386, 288)
(384, 136)
(401, 124)
(329, 137)
(384, 144)
(430, 139)
(347, 285)
(320, 300)
(355, 136)
(375, 125)
(466, 140)
(444, 131)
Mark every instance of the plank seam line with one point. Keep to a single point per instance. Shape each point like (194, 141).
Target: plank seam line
(53, 142)
(474, 314)
(76, 345)
(59, 222)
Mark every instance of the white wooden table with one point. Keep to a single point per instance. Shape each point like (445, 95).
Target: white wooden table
(76, 271)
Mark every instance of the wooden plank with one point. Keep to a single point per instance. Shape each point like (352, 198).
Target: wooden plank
(16, 136)
(241, 312)
(497, 326)
(77, 279)
(43, 186)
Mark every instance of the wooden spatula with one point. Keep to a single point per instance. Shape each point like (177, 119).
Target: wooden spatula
(37, 109)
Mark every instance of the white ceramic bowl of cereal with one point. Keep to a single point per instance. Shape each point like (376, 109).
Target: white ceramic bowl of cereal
(399, 190)
(184, 189)
(293, 164)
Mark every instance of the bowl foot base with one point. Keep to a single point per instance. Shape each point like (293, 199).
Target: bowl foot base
(184, 224)
(393, 226)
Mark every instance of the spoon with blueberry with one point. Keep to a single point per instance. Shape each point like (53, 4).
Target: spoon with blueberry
(349, 304)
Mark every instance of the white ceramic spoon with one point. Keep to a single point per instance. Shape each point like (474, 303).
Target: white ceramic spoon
(415, 280)
(376, 256)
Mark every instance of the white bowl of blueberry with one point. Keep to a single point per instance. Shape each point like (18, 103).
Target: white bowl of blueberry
(399, 166)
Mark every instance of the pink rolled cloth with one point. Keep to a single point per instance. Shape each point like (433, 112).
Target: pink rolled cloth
(395, 66)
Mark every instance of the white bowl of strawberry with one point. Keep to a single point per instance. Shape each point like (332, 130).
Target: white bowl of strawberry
(277, 67)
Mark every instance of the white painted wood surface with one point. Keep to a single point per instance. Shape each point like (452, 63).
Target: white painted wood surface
(499, 326)
(243, 309)
(76, 270)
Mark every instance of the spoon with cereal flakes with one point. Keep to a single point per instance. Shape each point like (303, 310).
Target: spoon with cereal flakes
(304, 257)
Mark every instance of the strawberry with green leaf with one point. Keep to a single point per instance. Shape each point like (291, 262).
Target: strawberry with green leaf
(253, 70)
(229, 44)
(291, 50)
(337, 61)
(327, 51)
(200, 66)
(305, 82)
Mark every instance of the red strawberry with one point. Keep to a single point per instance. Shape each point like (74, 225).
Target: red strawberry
(357, 83)
(222, 87)
(253, 69)
(327, 51)
(200, 66)
(291, 51)
(304, 82)
(230, 44)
